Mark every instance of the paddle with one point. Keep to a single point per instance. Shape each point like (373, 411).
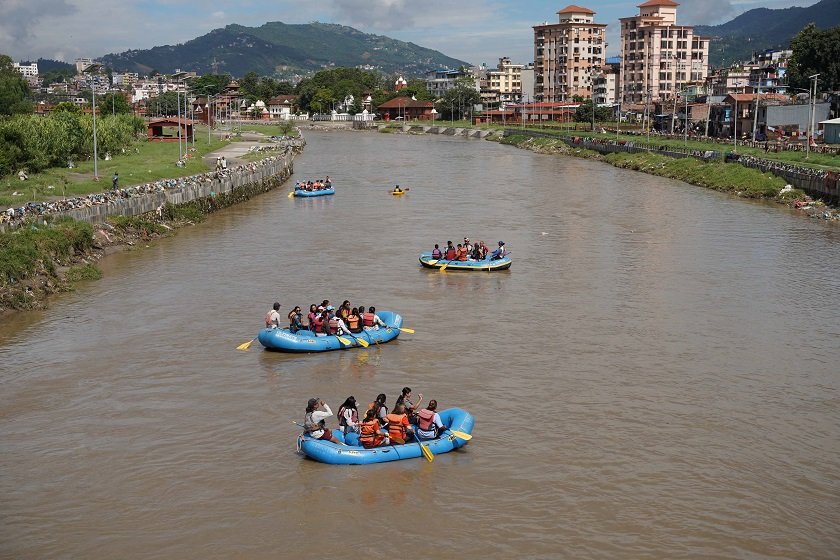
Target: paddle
(427, 453)
(362, 342)
(444, 266)
(345, 341)
(401, 329)
(246, 345)
(460, 435)
(291, 194)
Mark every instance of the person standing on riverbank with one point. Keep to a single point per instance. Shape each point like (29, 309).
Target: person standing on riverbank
(115, 181)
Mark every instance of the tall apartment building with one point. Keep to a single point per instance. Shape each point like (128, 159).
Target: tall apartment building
(658, 57)
(506, 80)
(28, 70)
(568, 54)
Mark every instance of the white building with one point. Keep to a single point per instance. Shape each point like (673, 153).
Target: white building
(28, 70)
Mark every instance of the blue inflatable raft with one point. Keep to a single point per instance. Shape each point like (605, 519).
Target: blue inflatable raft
(283, 340)
(485, 265)
(354, 454)
(322, 192)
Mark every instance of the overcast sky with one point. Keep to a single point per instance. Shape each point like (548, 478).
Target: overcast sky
(476, 31)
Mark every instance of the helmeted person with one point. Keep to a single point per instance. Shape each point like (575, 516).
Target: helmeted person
(429, 424)
(272, 318)
(371, 320)
(314, 421)
(499, 253)
(370, 431)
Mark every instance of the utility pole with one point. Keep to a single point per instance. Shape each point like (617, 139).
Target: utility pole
(811, 118)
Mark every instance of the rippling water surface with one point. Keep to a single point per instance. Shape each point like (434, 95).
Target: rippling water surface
(655, 377)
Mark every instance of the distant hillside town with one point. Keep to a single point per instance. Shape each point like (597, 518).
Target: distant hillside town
(662, 80)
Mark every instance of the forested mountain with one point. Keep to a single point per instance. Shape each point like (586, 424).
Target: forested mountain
(283, 51)
(762, 28)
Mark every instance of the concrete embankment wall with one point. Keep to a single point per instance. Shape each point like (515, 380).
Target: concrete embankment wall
(244, 181)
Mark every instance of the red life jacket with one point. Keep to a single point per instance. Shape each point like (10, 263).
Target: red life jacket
(368, 319)
(425, 420)
(333, 325)
(319, 324)
(450, 253)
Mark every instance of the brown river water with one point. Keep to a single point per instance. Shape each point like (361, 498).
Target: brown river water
(656, 376)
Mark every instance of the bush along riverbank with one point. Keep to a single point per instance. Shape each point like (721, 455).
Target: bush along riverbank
(39, 260)
(730, 178)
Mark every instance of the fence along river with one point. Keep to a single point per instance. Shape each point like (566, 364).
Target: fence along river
(656, 375)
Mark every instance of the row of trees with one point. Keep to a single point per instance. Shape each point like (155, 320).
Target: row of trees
(34, 142)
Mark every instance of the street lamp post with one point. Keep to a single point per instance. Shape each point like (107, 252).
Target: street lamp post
(811, 116)
(94, 68)
(755, 115)
(735, 120)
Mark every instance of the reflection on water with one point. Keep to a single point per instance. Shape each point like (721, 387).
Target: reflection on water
(655, 376)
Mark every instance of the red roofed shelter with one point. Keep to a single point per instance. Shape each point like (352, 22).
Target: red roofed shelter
(406, 108)
(155, 130)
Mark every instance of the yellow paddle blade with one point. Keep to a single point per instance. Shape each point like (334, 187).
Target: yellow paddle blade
(363, 342)
(432, 261)
(409, 331)
(291, 194)
(345, 341)
(461, 435)
(427, 453)
(443, 267)
(245, 345)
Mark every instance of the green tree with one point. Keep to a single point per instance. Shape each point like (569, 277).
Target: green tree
(815, 52)
(457, 103)
(113, 103)
(67, 107)
(584, 113)
(339, 82)
(210, 84)
(165, 104)
(14, 91)
(249, 87)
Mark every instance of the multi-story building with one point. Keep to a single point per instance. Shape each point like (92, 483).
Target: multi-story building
(28, 70)
(506, 80)
(606, 82)
(82, 63)
(568, 55)
(658, 57)
(439, 82)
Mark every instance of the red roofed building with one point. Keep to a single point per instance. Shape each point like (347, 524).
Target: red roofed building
(658, 57)
(406, 108)
(568, 54)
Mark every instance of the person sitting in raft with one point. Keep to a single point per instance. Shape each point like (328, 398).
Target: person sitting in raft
(475, 254)
(405, 400)
(397, 189)
(344, 310)
(460, 253)
(371, 320)
(399, 429)
(337, 327)
(313, 311)
(314, 422)
(436, 253)
(295, 323)
(318, 324)
(379, 408)
(370, 432)
(429, 424)
(500, 252)
(482, 250)
(354, 322)
(467, 245)
(327, 182)
(348, 416)
(450, 251)
(272, 318)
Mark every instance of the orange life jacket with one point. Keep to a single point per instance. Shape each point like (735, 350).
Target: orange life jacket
(353, 323)
(395, 425)
(369, 435)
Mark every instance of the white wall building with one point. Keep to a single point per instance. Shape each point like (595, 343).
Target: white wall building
(28, 70)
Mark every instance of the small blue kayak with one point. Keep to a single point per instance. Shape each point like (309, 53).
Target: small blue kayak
(322, 192)
(485, 265)
(282, 340)
(354, 454)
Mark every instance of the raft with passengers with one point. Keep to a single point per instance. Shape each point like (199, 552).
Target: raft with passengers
(467, 257)
(450, 429)
(328, 330)
(321, 187)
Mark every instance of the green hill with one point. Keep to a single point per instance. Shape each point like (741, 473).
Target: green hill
(283, 51)
(762, 28)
